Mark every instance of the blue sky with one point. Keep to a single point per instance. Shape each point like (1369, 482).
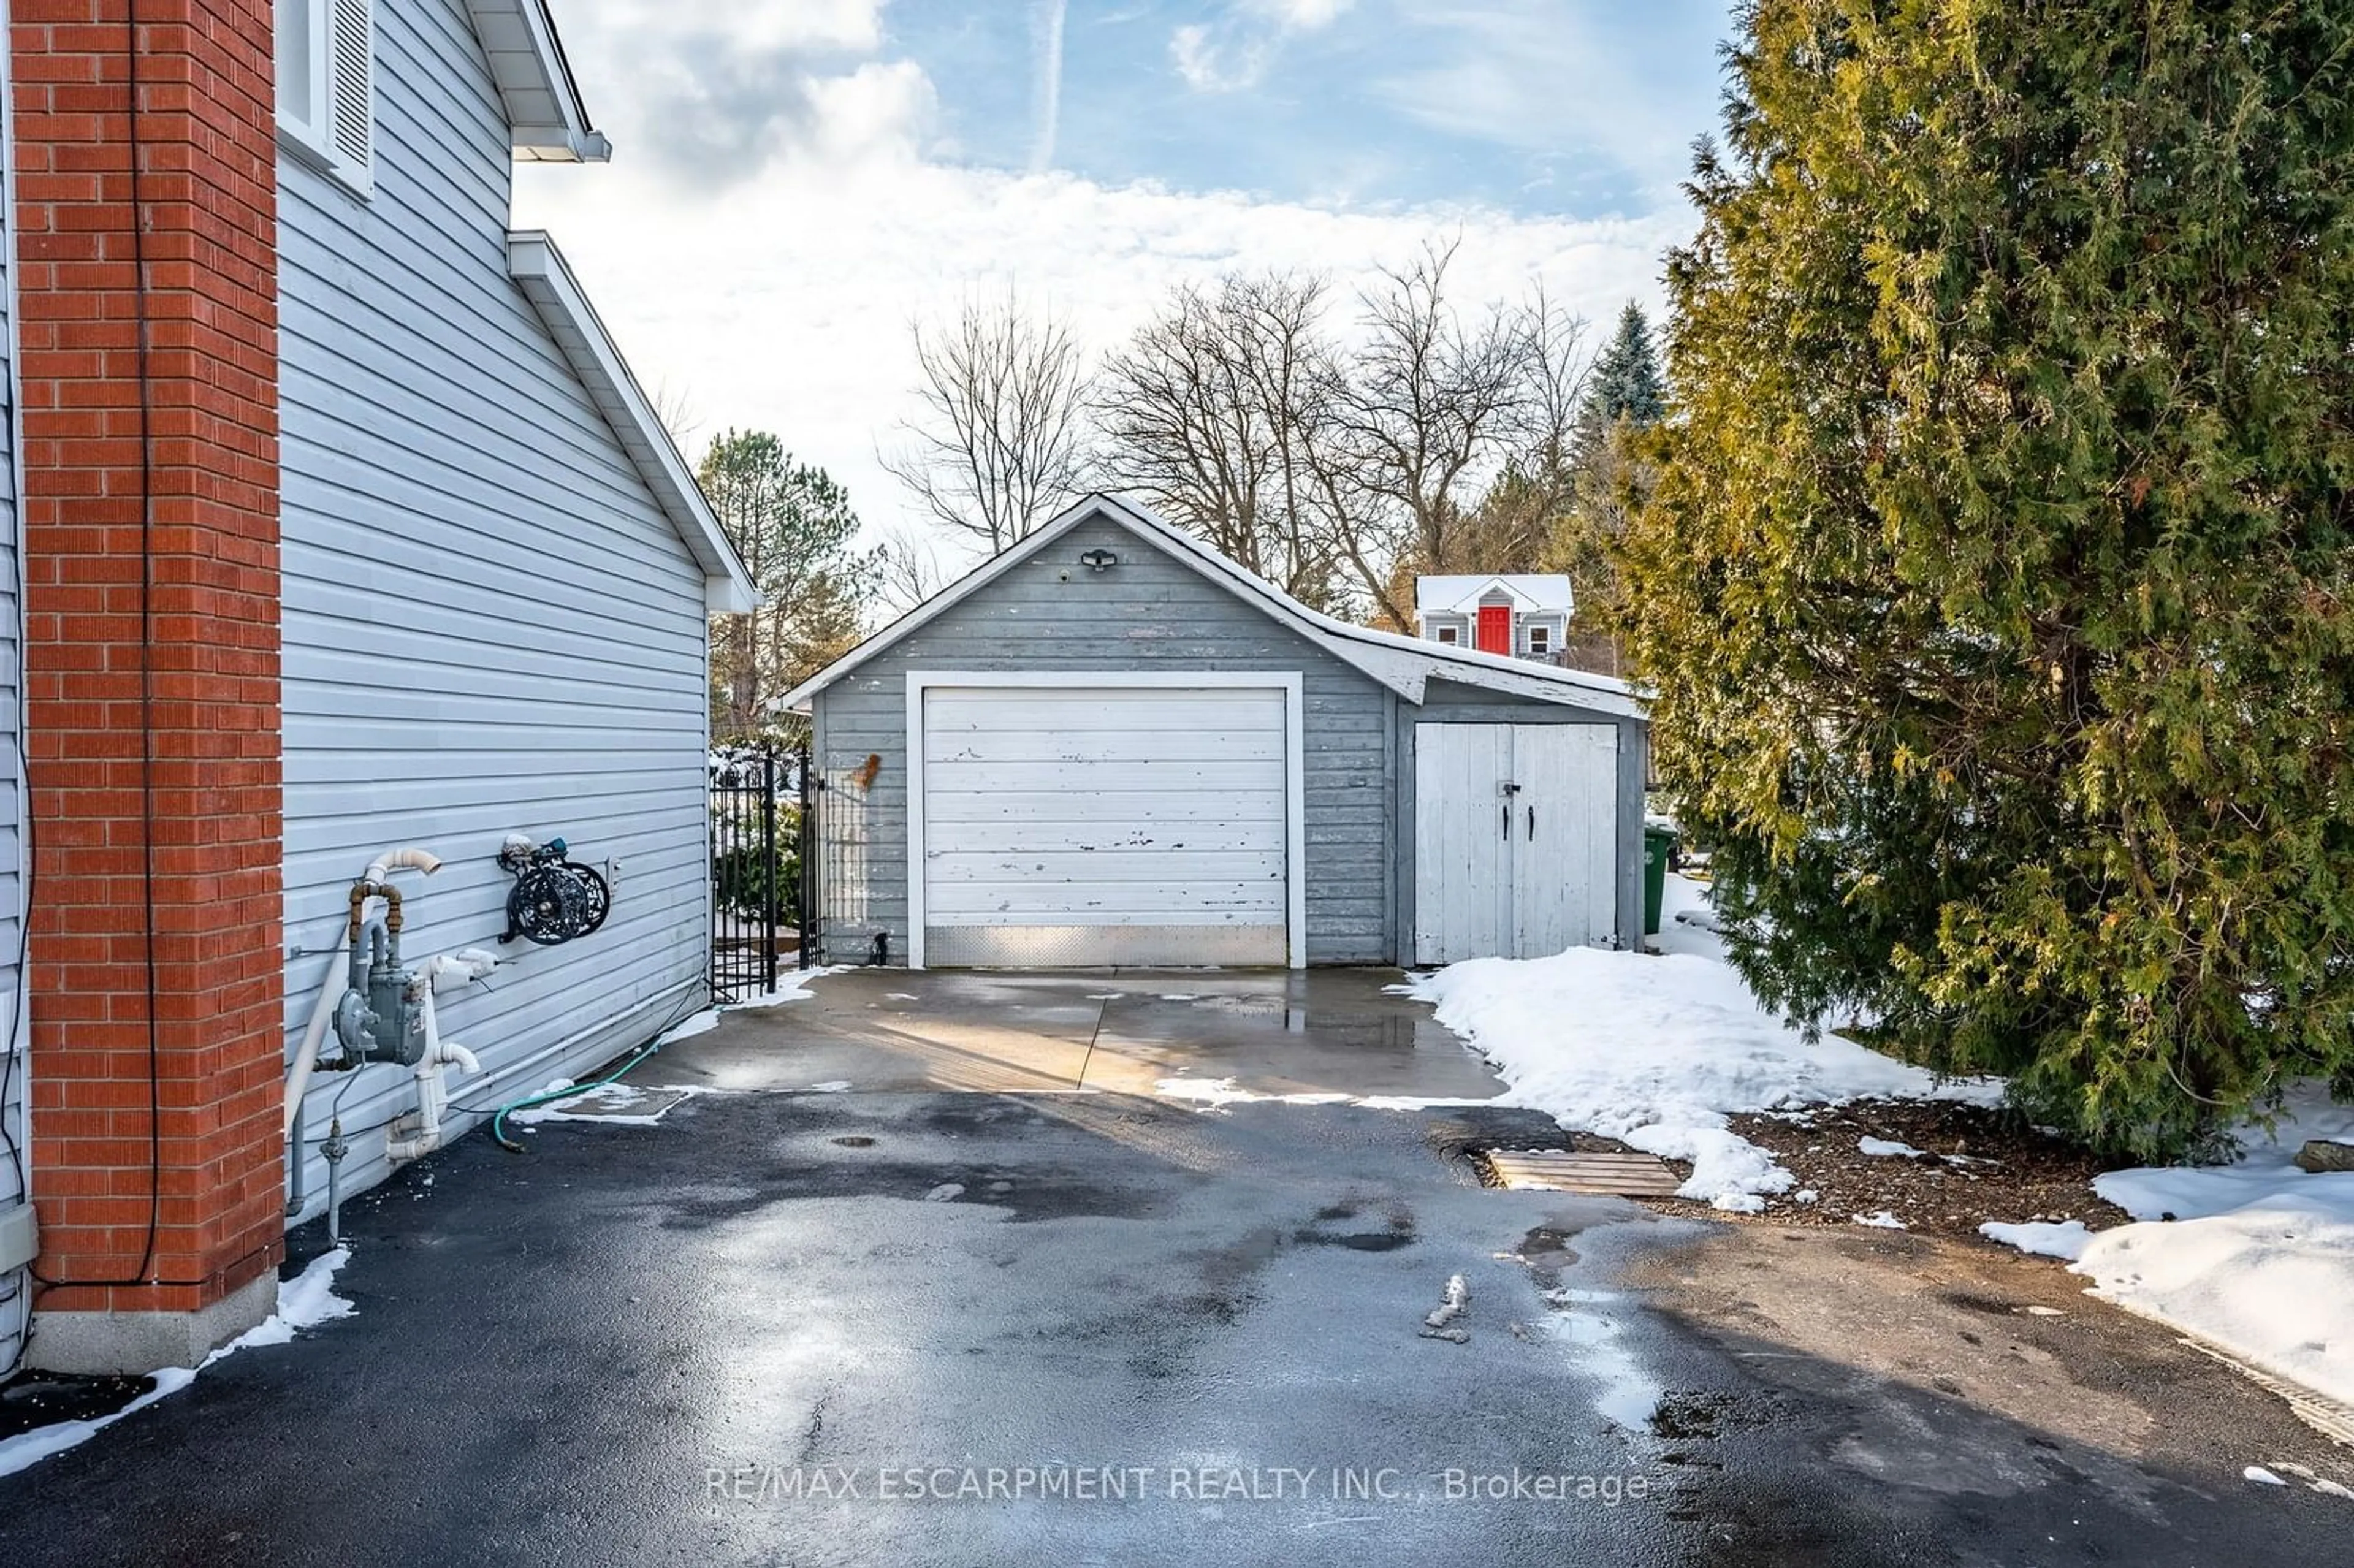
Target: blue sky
(1575, 106)
(796, 183)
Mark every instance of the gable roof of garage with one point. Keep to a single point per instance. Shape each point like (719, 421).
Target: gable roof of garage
(1404, 665)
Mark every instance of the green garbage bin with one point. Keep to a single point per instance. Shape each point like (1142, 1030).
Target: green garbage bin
(1659, 843)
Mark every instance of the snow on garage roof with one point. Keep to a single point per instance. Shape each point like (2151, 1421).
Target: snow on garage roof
(1404, 665)
(1454, 594)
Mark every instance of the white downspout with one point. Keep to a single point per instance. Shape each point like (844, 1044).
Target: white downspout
(314, 1033)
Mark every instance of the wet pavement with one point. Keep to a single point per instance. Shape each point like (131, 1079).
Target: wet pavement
(777, 1326)
(1307, 1032)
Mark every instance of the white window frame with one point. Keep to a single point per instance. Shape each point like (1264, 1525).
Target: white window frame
(1541, 638)
(1290, 682)
(332, 135)
(1450, 635)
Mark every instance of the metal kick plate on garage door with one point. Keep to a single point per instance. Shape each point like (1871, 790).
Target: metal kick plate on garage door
(1605, 1173)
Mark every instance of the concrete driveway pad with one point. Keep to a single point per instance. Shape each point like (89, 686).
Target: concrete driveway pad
(1272, 1032)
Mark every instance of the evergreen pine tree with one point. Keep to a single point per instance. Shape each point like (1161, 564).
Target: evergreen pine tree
(1627, 383)
(1996, 586)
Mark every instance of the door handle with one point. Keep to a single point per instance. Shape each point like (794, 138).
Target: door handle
(1508, 823)
(1532, 824)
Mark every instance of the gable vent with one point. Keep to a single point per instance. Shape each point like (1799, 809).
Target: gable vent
(351, 88)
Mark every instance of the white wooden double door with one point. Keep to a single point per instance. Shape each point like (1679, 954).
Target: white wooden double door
(1516, 836)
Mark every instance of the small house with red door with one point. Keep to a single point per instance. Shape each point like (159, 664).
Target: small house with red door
(1521, 615)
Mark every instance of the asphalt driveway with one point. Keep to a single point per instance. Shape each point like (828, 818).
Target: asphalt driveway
(901, 1322)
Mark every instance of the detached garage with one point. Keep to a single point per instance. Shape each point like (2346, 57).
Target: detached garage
(1110, 747)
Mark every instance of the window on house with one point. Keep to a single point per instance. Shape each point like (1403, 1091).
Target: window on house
(1539, 639)
(1447, 634)
(327, 85)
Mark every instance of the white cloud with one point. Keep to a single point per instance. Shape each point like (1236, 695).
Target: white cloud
(848, 25)
(714, 92)
(1302, 15)
(1236, 50)
(786, 305)
(881, 111)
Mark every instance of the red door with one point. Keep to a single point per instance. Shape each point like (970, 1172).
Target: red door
(1495, 629)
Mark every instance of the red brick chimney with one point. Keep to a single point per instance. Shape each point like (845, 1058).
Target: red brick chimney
(144, 200)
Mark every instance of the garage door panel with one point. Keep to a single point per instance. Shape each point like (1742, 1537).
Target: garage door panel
(1143, 902)
(1108, 745)
(1034, 837)
(1106, 866)
(1145, 806)
(1102, 779)
(972, 711)
(1123, 825)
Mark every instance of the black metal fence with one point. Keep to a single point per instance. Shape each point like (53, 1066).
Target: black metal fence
(761, 816)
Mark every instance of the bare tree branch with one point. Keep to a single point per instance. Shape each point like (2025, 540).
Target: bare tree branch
(1212, 414)
(1431, 400)
(1004, 443)
(907, 571)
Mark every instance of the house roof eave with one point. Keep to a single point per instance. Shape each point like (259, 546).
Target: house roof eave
(539, 270)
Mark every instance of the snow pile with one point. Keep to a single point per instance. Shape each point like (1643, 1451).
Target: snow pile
(2257, 1255)
(304, 1301)
(2042, 1237)
(1656, 1051)
(1888, 1148)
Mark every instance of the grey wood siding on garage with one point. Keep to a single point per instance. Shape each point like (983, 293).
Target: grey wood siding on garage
(489, 624)
(1151, 612)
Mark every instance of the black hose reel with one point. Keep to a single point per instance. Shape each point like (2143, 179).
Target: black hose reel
(554, 900)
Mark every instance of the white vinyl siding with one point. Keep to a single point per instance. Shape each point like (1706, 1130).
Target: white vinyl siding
(1105, 825)
(490, 626)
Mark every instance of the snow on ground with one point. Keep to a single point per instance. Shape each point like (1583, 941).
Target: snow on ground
(304, 1301)
(1217, 1094)
(2044, 1239)
(1888, 1148)
(793, 986)
(1658, 1051)
(607, 1104)
(2256, 1256)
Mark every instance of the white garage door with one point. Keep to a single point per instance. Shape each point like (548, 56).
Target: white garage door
(1106, 825)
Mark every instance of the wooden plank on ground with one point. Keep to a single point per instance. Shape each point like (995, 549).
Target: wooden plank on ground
(1610, 1173)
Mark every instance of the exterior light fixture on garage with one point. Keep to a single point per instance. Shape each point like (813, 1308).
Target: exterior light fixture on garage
(1098, 560)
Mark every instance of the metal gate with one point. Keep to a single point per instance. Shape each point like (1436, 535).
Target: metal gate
(761, 814)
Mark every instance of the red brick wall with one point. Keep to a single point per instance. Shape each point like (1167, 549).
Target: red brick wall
(206, 190)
